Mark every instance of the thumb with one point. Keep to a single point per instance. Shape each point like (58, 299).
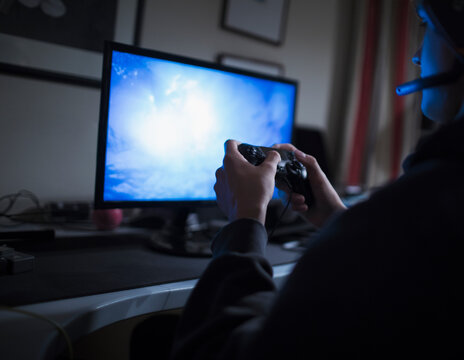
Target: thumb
(271, 161)
(272, 158)
(310, 163)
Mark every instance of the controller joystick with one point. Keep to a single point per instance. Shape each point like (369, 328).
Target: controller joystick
(290, 171)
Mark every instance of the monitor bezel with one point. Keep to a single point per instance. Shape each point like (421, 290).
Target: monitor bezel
(109, 47)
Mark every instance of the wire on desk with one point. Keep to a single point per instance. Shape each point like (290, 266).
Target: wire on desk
(57, 326)
(13, 198)
(37, 215)
(8, 202)
(281, 216)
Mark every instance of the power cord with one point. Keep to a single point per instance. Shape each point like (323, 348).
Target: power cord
(57, 326)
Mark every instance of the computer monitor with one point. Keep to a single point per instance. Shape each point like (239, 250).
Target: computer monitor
(164, 119)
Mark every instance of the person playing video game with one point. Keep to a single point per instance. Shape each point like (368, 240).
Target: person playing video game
(381, 279)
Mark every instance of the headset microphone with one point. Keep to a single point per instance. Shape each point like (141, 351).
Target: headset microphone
(446, 18)
(428, 81)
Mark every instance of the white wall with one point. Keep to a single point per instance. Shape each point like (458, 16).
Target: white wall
(48, 131)
(192, 28)
(48, 137)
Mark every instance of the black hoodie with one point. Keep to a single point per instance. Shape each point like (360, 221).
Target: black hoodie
(382, 280)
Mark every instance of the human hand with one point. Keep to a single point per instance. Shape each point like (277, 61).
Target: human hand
(242, 189)
(325, 200)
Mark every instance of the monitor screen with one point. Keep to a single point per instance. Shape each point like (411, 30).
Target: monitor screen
(164, 120)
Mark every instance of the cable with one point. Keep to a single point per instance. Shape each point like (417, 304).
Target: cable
(24, 193)
(57, 326)
(281, 216)
(13, 198)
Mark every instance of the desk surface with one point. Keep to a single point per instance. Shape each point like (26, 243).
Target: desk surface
(75, 264)
(88, 282)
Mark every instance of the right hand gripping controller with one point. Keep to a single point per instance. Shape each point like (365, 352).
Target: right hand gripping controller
(290, 171)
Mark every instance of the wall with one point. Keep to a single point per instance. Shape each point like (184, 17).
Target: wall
(48, 138)
(48, 131)
(307, 53)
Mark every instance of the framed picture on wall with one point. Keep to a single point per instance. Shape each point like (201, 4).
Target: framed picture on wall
(63, 40)
(247, 63)
(260, 19)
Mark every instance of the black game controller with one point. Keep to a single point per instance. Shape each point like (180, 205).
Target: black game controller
(290, 172)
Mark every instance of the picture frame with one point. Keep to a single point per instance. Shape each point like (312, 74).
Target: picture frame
(50, 61)
(263, 20)
(251, 64)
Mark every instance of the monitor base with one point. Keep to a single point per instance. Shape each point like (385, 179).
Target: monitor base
(178, 238)
(190, 245)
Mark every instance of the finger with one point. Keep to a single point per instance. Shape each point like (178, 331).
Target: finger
(298, 199)
(219, 189)
(269, 165)
(298, 202)
(220, 176)
(232, 155)
(231, 146)
(310, 163)
(218, 171)
(300, 208)
(272, 159)
(288, 147)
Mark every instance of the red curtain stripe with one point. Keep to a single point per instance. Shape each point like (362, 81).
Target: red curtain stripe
(355, 169)
(400, 77)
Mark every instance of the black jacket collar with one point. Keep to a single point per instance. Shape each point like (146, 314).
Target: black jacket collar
(446, 143)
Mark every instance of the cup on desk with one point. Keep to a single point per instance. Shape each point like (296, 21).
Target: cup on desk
(107, 219)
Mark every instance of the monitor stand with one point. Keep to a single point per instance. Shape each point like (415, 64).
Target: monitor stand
(178, 238)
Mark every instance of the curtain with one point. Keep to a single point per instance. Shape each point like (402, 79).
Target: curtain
(381, 128)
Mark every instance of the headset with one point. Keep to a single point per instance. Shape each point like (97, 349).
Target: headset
(446, 17)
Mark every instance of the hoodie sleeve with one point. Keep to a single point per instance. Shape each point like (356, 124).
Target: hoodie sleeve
(233, 294)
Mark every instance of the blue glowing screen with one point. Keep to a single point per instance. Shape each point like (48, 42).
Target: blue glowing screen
(168, 121)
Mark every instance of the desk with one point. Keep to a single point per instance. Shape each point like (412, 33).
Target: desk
(23, 337)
